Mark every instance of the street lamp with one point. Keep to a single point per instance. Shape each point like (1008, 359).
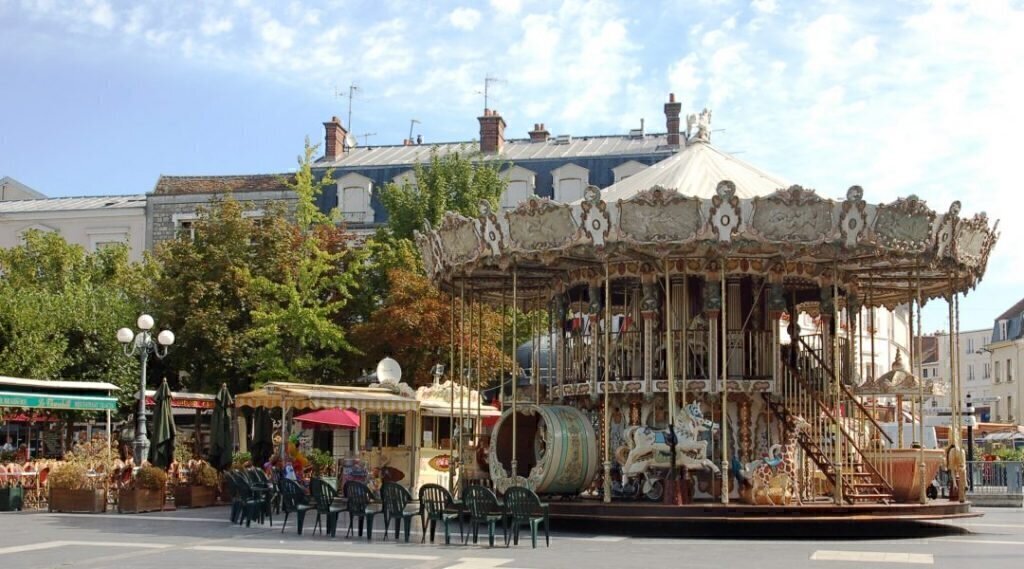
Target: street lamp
(141, 344)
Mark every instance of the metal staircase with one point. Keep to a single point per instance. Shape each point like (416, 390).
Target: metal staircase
(808, 390)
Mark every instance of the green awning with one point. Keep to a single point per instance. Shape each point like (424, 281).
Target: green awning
(57, 401)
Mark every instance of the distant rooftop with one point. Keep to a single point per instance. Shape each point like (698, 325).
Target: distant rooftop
(73, 204)
(515, 150)
(170, 185)
(11, 189)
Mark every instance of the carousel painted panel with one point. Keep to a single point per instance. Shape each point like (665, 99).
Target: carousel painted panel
(659, 216)
(555, 450)
(459, 239)
(904, 225)
(972, 242)
(539, 224)
(794, 215)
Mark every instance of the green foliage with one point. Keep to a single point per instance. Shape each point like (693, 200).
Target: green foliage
(1009, 454)
(322, 462)
(150, 478)
(182, 450)
(206, 475)
(241, 460)
(60, 307)
(456, 181)
(70, 476)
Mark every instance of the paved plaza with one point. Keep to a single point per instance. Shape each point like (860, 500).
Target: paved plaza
(204, 539)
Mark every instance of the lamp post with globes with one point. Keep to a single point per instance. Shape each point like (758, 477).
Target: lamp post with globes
(142, 344)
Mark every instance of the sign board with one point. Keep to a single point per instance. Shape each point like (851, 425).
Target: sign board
(987, 399)
(67, 402)
(947, 421)
(948, 411)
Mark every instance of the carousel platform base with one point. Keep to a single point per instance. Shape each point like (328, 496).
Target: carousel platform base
(623, 513)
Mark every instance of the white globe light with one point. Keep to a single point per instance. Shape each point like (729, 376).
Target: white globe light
(125, 335)
(389, 372)
(145, 322)
(165, 338)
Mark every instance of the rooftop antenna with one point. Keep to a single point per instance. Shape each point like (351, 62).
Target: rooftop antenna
(352, 90)
(412, 123)
(488, 79)
(366, 137)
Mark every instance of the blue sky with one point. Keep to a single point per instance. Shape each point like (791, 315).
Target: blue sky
(101, 97)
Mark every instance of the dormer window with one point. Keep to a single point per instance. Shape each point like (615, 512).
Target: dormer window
(354, 192)
(1002, 330)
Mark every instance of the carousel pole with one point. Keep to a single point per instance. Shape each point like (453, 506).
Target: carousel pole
(920, 396)
(837, 444)
(607, 371)
(725, 390)
(686, 332)
(451, 400)
(959, 402)
(515, 380)
(671, 483)
(477, 430)
(462, 371)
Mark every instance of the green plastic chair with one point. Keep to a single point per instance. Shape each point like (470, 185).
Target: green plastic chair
(524, 508)
(324, 495)
(483, 508)
(437, 505)
(395, 500)
(358, 506)
(293, 501)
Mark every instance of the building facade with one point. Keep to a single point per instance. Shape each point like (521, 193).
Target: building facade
(975, 369)
(92, 222)
(1004, 352)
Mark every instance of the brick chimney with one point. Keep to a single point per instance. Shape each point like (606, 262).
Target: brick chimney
(672, 109)
(492, 132)
(539, 133)
(334, 139)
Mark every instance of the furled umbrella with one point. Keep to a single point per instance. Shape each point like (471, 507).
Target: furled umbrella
(262, 436)
(221, 441)
(161, 443)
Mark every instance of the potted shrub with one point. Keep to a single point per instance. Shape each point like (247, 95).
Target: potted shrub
(12, 497)
(199, 488)
(322, 464)
(73, 490)
(146, 492)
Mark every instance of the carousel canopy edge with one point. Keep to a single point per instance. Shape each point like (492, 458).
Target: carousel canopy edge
(790, 230)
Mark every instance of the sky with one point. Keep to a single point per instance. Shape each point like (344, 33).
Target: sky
(900, 97)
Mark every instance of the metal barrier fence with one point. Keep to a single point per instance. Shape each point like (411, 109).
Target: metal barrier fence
(995, 477)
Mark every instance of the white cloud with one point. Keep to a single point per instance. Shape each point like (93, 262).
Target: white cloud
(507, 7)
(464, 18)
(276, 35)
(102, 14)
(213, 26)
(764, 6)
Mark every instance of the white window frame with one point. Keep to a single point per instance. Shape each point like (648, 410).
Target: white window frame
(518, 175)
(627, 169)
(180, 219)
(1002, 330)
(358, 183)
(566, 173)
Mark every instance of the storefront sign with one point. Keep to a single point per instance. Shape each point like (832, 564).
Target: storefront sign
(45, 401)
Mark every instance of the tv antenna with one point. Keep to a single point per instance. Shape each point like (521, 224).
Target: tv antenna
(366, 137)
(352, 90)
(412, 123)
(488, 79)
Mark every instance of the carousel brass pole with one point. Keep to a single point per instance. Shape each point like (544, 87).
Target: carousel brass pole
(838, 443)
(607, 371)
(670, 359)
(686, 333)
(535, 351)
(958, 404)
(515, 380)
(462, 370)
(920, 396)
(725, 389)
(451, 401)
(479, 365)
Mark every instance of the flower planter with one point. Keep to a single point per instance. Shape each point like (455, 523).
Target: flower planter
(11, 498)
(140, 500)
(78, 501)
(194, 496)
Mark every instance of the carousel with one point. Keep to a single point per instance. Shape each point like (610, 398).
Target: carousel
(679, 382)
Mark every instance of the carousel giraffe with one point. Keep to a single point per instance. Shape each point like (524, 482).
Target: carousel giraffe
(775, 482)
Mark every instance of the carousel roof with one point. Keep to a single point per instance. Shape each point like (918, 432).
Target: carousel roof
(899, 381)
(695, 171)
(702, 211)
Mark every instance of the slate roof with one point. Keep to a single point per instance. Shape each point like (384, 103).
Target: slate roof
(929, 350)
(9, 182)
(174, 185)
(1014, 323)
(515, 150)
(73, 204)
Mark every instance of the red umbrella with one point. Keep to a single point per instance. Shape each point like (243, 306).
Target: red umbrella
(338, 418)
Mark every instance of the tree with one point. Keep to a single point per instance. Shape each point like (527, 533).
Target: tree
(457, 181)
(414, 327)
(60, 308)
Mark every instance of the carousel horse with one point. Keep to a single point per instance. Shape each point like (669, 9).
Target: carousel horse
(644, 452)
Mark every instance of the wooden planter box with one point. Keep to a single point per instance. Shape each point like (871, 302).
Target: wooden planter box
(140, 500)
(78, 501)
(11, 498)
(194, 496)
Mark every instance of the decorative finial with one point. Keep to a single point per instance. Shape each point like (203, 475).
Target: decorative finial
(592, 194)
(703, 124)
(855, 194)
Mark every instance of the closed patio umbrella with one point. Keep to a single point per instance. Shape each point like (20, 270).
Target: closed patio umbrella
(161, 443)
(221, 441)
(262, 437)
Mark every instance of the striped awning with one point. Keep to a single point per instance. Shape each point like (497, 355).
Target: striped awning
(308, 396)
(440, 409)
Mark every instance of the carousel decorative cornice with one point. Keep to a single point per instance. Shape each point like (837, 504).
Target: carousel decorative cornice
(792, 233)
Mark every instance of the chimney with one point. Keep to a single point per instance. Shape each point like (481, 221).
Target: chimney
(539, 133)
(334, 139)
(492, 132)
(672, 109)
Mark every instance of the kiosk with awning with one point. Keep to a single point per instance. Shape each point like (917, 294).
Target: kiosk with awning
(185, 404)
(26, 394)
